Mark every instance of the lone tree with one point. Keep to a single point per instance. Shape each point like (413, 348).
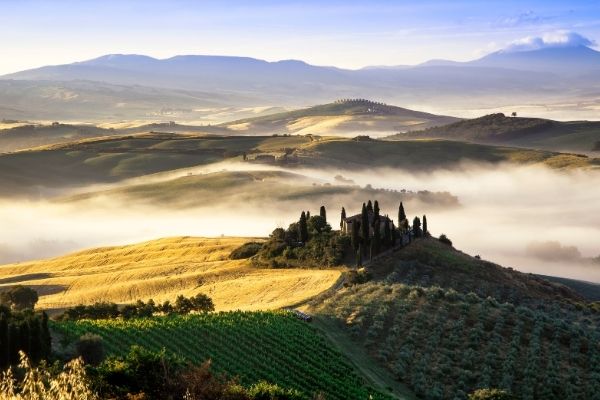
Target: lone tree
(323, 213)
(401, 213)
(425, 231)
(417, 227)
(302, 228)
(342, 218)
(19, 298)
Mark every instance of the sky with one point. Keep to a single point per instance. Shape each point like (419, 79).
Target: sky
(347, 34)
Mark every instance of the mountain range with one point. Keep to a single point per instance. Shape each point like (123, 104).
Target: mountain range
(135, 86)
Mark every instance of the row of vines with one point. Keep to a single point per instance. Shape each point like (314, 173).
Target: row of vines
(271, 346)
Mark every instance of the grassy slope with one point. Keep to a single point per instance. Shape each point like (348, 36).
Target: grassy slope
(272, 346)
(536, 133)
(589, 290)
(430, 154)
(340, 117)
(161, 270)
(443, 343)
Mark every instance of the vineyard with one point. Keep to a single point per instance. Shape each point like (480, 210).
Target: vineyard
(444, 344)
(271, 346)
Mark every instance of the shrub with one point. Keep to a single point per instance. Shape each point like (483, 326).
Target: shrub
(90, 348)
(444, 239)
(39, 383)
(267, 391)
(246, 250)
(490, 394)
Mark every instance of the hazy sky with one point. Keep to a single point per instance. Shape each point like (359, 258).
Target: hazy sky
(345, 33)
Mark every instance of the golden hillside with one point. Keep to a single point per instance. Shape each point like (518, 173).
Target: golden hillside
(161, 270)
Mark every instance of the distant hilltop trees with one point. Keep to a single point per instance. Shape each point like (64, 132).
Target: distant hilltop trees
(359, 101)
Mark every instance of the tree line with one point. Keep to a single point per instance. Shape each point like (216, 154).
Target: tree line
(22, 329)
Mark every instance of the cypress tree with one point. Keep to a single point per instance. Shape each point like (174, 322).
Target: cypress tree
(376, 210)
(401, 214)
(376, 244)
(355, 235)
(35, 338)
(387, 234)
(4, 344)
(342, 218)
(359, 255)
(323, 213)
(13, 343)
(369, 206)
(307, 215)
(46, 339)
(364, 225)
(303, 228)
(417, 227)
(425, 231)
(394, 235)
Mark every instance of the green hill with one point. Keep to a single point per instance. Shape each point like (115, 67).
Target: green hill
(577, 136)
(271, 346)
(445, 324)
(340, 117)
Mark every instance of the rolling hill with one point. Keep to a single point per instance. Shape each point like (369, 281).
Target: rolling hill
(163, 269)
(344, 117)
(577, 136)
(445, 324)
(112, 159)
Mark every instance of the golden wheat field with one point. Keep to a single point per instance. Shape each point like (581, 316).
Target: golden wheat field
(161, 270)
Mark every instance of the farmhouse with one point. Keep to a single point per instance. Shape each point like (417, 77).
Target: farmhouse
(346, 225)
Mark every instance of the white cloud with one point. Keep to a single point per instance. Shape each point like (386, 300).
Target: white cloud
(560, 38)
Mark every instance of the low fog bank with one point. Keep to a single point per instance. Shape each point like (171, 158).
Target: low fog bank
(529, 218)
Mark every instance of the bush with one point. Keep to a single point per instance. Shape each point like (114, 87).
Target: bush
(90, 348)
(19, 298)
(267, 391)
(444, 239)
(490, 394)
(246, 250)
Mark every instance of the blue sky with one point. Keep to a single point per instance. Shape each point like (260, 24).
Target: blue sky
(348, 34)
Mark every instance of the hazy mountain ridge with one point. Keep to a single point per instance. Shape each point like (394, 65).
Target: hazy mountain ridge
(191, 82)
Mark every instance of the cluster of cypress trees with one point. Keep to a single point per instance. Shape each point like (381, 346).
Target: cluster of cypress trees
(23, 331)
(361, 239)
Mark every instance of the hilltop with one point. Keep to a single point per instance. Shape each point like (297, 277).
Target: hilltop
(535, 133)
(343, 117)
(161, 270)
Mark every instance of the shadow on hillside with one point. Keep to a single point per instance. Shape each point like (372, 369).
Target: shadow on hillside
(25, 277)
